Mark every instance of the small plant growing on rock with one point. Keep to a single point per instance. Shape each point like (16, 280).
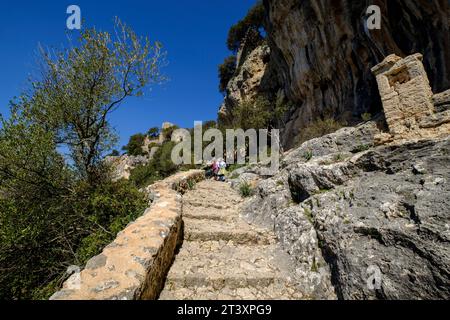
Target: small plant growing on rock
(308, 155)
(245, 189)
(361, 148)
(338, 157)
(366, 116)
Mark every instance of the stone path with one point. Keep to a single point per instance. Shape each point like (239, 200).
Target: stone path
(222, 256)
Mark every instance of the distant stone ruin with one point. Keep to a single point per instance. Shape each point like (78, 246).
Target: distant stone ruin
(122, 165)
(409, 105)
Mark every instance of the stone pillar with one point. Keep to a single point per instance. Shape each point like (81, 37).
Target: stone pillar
(405, 92)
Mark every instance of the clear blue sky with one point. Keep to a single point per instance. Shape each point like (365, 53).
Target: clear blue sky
(193, 33)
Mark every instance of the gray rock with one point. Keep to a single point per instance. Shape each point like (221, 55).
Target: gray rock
(374, 225)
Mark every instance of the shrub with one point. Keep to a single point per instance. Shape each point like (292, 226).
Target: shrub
(366, 116)
(153, 132)
(308, 155)
(252, 114)
(114, 153)
(226, 72)
(159, 167)
(167, 132)
(144, 175)
(245, 189)
(361, 148)
(338, 157)
(39, 241)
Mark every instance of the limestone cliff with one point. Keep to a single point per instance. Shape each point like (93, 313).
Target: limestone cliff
(321, 55)
(324, 51)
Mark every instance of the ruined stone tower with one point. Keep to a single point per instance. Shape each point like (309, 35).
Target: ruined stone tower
(405, 92)
(408, 99)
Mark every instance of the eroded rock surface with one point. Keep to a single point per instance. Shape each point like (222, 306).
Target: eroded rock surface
(355, 212)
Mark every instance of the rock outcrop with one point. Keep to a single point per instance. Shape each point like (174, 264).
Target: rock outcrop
(370, 214)
(248, 80)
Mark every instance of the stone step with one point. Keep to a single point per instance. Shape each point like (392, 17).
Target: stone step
(213, 230)
(204, 203)
(200, 213)
(219, 264)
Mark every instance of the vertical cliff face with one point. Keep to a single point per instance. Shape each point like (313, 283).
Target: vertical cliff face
(323, 52)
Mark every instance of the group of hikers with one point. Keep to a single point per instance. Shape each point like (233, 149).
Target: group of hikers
(216, 169)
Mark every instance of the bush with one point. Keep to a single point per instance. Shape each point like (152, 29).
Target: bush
(135, 144)
(245, 189)
(226, 72)
(366, 116)
(252, 114)
(109, 209)
(318, 129)
(144, 175)
(114, 153)
(253, 20)
(39, 240)
(361, 148)
(153, 132)
(161, 166)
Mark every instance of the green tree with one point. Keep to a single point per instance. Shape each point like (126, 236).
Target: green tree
(57, 210)
(252, 114)
(135, 144)
(82, 86)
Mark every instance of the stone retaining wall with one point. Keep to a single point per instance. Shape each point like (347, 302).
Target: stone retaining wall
(135, 265)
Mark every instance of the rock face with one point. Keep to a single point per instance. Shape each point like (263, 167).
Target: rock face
(322, 52)
(357, 213)
(122, 165)
(246, 84)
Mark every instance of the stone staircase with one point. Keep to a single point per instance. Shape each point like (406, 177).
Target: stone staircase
(222, 256)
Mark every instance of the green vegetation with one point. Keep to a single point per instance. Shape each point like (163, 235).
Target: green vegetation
(308, 215)
(366, 116)
(135, 144)
(160, 167)
(114, 153)
(314, 265)
(338, 157)
(153, 133)
(226, 72)
(245, 189)
(308, 155)
(59, 210)
(319, 128)
(361, 148)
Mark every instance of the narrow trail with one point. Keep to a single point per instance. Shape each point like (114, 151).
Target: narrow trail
(222, 256)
